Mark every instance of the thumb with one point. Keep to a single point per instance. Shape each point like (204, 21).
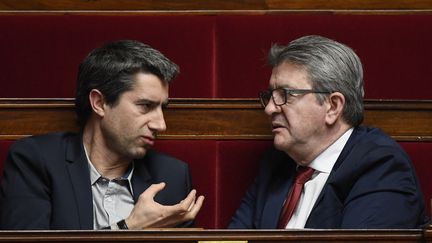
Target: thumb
(154, 189)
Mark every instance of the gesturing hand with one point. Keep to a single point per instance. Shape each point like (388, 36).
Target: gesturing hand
(148, 213)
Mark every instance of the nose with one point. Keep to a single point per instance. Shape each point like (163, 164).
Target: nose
(271, 108)
(157, 122)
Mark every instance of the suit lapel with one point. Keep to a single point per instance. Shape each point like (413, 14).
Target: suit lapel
(347, 150)
(141, 178)
(276, 198)
(80, 179)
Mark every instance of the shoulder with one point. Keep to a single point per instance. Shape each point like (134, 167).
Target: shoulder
(374, 142)
(41, 150)
(50, 141)
(161, 167)
(370, 153)
(36, 155)
(372, 134)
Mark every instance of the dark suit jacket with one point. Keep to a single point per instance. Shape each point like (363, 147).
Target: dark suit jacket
(372, 185)
(46, 183)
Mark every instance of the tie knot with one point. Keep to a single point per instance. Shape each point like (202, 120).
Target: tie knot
(303, 174)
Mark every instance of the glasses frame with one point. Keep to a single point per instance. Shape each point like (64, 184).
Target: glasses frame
(287, 91)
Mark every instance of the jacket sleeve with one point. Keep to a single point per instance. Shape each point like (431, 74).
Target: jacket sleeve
(244, 216)
(386, 193)
(275, 168)
(25, 193)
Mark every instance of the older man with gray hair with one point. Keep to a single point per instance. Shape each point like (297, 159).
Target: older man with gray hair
(326, 170)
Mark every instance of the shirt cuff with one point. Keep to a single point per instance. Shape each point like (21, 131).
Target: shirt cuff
(114, 226)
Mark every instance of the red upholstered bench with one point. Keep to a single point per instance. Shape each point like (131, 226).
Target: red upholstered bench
(221, 171)
(421, 155)
(221, 56)
(4, 147)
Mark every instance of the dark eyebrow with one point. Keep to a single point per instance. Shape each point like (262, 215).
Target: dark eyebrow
(145, 101)
(152, 102)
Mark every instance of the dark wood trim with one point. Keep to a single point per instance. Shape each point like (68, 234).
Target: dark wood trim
(188, 5)
(427, 234)
(194, 235)
(211, 118)
(214, 12)
(213, 103)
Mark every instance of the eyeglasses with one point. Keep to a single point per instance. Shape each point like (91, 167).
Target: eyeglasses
(281, 96)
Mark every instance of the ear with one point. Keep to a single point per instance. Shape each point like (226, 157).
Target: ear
(97, 102)
(336, 102)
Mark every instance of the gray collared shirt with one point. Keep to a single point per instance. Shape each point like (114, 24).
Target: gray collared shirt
(112, 199)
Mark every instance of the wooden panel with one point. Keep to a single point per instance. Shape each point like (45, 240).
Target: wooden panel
(196, 235)
(211, 118)
(427, 234)
(215, 5)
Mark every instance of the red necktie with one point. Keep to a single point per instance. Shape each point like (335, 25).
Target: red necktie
(303, 174)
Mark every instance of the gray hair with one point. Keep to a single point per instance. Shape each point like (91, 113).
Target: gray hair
(331, 66)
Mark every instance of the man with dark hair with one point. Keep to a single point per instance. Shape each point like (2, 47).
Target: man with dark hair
(106, 176)
(327, 171)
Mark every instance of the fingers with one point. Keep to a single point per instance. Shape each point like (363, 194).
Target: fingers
(149, 213)
(188, 202)
(191, 206)
(195, 208)
(179, 214)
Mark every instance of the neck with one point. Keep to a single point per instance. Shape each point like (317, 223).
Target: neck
(107, 162)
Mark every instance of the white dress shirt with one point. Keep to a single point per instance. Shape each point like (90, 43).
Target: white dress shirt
(112, 199)
(323, 165)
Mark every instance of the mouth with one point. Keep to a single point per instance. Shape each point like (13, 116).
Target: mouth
(148, 140)
(276, 127)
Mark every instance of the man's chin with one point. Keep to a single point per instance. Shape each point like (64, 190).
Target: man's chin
(280, 143)
(278, 146)
(140, 153)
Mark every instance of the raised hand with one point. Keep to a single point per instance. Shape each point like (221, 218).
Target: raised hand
(149, 214)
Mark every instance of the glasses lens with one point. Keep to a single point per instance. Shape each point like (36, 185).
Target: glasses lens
(265, 97)
(279, 96)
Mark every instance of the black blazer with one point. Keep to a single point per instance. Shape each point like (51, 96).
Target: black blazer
(46, 183)
(372, 185)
